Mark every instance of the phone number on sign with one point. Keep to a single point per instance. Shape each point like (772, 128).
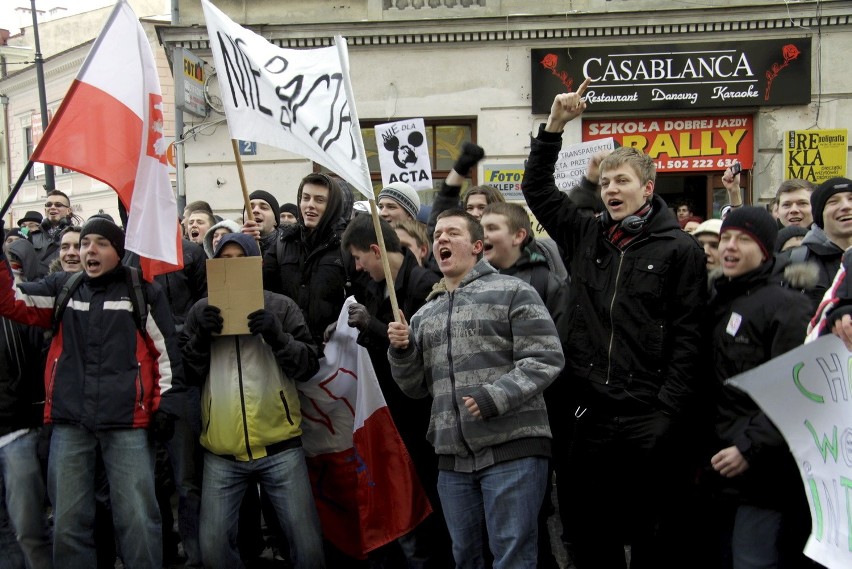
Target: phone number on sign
(695, 163)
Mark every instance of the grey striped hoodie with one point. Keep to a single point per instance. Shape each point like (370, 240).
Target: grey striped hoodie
(491, 339)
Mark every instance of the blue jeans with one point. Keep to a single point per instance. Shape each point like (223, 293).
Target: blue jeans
(21, 472)
(507, 496)
(186, 457)
(284, 477)
(128, 460)
(12, 557)
(755, 538)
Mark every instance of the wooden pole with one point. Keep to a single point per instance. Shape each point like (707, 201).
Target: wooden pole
(242, 174)
(380, 238)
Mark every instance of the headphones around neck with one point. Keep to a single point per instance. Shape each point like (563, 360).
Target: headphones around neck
(632, 224)
(63, 223)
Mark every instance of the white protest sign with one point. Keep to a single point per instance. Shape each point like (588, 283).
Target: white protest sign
(404, 154)
(297, 100)
(573, 159)
(808, 395)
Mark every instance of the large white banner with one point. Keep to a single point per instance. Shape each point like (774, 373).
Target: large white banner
(808, 395)
(404, 154)
(297, 100)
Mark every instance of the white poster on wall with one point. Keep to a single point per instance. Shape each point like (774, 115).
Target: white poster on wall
(404, 154)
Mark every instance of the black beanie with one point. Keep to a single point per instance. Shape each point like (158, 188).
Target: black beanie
(268, 198)
(788, 233)
(757, 223)
(820, 196)
(290, 208)
(105, 228)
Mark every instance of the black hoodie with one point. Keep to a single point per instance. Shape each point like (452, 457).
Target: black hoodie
(21, 359)
(307, 266)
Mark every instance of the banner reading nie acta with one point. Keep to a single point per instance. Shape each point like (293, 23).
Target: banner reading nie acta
(682, 144)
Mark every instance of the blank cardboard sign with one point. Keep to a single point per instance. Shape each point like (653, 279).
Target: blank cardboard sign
(235, 286)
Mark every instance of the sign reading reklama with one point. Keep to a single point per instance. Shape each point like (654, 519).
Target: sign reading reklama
(682, 144)
(676, 76)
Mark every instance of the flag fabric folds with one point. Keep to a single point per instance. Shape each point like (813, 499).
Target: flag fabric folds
(366, 490)
(110, 127)
(299, 100)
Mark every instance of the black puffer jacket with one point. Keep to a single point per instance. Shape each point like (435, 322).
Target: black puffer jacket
(635, 316)
(754, 320)
(185, 287)
(307, 266)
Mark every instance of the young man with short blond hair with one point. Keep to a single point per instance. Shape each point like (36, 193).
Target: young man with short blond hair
(633, 349)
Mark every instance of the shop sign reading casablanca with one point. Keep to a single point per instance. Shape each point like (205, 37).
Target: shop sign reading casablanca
(677, 76)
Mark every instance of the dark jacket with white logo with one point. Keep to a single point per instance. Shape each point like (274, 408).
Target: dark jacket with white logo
(754, 320)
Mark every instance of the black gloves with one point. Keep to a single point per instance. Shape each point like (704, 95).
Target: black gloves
(162, 427)
(210, 321)
(471, 154)
(267, 325)
(359, 317)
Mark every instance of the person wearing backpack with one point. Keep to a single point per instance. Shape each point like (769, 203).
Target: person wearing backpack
(113, 379)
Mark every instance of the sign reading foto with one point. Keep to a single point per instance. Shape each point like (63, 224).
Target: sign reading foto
(633, 77)
(189, 83)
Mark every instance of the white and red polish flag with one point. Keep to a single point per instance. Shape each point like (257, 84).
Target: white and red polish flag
(110, 127)
(365, 486)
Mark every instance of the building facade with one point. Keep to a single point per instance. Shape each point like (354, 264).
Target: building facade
(478, 70)
(470, 68)
(65, 42)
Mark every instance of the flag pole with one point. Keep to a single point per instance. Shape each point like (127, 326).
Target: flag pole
(380, 239)
(15, 189)
(246, 201)
(343, 55)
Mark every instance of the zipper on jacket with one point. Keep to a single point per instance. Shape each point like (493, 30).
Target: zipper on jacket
(452, 375)
(52, 380)
(140, 389)
(612, 306)
(242, 397)
(611, 319)
(209, 413)
(286, 407)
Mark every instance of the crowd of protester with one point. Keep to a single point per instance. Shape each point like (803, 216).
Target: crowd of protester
(593, 361)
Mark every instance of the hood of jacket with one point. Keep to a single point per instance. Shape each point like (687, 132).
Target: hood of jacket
(229, 224)
(331, 217)
(818, 242)
(25, 252)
